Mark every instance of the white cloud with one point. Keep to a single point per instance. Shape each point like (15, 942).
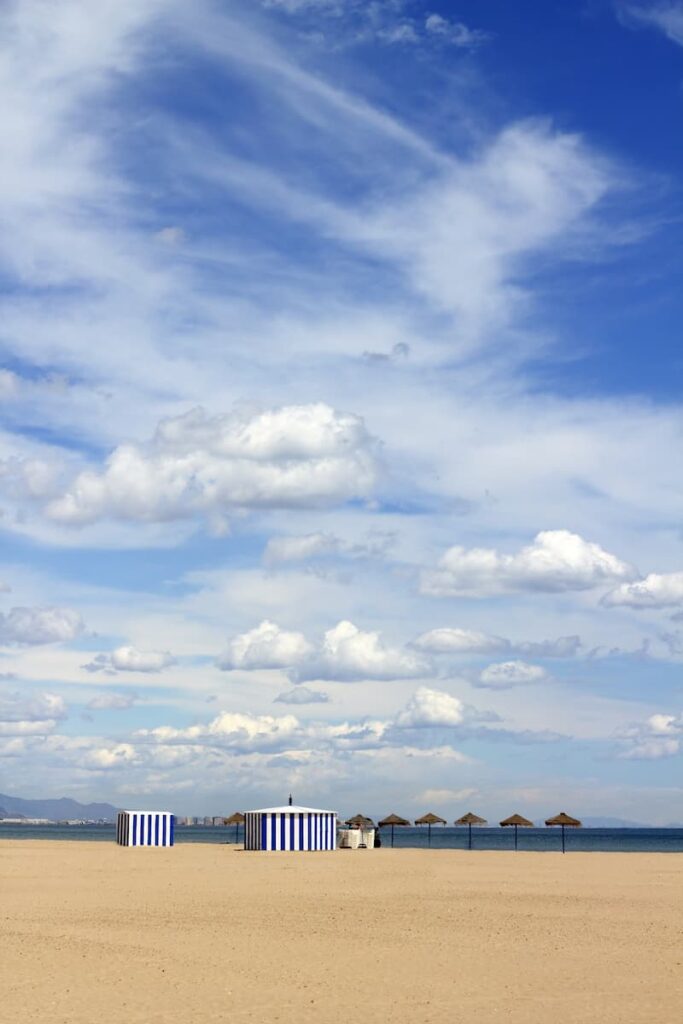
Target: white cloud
(299, 549)
(297, 456)
(9, 385)
(505, 674)
(111, 702)
(427, 708)
(348, 654)
(115, 756)
(658, 590)
(40, 626)
(446, 796)
(265, 647)
(454, 32)
(658, 737)
(451, 640)
(318, 545)
(556, 561)
(30, 716)
(301, 695)
(233, 730)
(130, 659)
(668, 17)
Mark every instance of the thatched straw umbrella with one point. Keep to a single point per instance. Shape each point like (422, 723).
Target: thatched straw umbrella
(393, 820)
(517, 821)
(360, 821)
(430, 819)
(564, 821)
(235, 819)
(470, 819)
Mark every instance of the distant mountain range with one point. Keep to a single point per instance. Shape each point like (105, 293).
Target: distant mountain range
(56, 810)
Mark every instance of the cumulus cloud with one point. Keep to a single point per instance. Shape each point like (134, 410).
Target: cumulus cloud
(233, 730)
(348, 654)
(301, 695)
(505, 674)
(114, 756)
(345, 654)
(28, 626)
(658, 737)
(452, 640)
(431, 708)
(454, 32)
(319, 545)
(658, 590)
(265, 647)
(30, 716)
(32, 479)
(667, 17)
(444, 796)
(299, 456)
(130, 659)
(111, 702)
(556, 561)
(9, 385)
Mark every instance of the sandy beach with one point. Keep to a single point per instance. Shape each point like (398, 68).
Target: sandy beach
(202, 933)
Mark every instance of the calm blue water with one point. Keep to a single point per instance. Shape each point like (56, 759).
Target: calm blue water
(625, 840)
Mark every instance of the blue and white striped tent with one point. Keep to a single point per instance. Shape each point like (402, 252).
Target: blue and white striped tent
(144, 828)
(290, 828)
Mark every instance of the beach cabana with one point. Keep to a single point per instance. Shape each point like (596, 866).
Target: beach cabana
(564, 821)
(516, 821)
(470, 819)
(393, 820)
(359, 821)
(235, 819)
(430, 819)
(290, 828)
(145, 828)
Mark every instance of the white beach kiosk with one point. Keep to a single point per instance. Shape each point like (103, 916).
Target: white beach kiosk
(145, 828)
(290, 828)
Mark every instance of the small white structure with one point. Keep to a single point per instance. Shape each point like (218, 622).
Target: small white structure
(290, 828)
(144, 828)
(357, 838)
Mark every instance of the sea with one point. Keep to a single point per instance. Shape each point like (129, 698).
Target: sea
(587, 840)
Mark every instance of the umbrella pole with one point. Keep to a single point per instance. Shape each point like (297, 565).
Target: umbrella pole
(469, 846)
(515, 837)
(563, 839)
(392, 837)
(429, 834)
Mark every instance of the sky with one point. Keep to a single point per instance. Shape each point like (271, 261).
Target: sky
(340, 420)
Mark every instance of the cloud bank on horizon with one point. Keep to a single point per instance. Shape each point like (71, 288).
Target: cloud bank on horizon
(339, 364)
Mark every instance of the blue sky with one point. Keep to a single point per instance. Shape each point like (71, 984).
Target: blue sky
(339, 405)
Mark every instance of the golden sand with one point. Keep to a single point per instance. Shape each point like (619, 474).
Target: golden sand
(200, 933)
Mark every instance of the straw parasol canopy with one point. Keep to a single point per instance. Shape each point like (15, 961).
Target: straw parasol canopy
(235, 819)
(393, 820)
(516, 821)
(360, 821)
(564, 821)
(430, 819)
(470, 819)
